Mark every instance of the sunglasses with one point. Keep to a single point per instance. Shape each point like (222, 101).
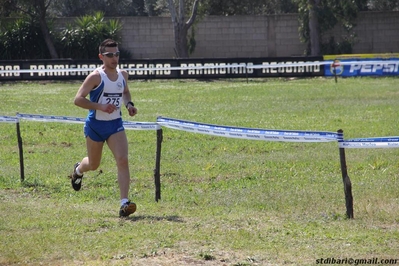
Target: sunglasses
(110, 55)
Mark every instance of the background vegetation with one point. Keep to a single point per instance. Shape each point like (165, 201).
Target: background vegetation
(224, 201)
(23, 39)
(316, 17)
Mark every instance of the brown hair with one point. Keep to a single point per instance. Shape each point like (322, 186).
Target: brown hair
(107, 43)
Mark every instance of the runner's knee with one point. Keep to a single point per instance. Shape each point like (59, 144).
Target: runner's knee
(122, 161)
(93, 166)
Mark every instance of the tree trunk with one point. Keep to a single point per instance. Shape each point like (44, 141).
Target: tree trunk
(181, 27)
(41, 9)
(47, 39)
(181, 41)
(314, 30)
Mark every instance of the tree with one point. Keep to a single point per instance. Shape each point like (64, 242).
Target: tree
(181, 26)
(7, 8)
(37, 10)
(314, 29)
(317, 17)
(383, 5)
(40, 9)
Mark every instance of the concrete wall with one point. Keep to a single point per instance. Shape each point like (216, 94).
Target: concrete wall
(251, 36)
(234, 36)
(148, 37)
(377, 32)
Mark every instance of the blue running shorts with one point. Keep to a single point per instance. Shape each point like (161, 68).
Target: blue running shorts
(99, 130)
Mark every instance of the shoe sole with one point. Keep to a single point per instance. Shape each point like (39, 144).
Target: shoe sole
(76, 181)
(129, 210)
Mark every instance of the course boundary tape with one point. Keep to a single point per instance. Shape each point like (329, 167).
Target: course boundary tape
(365, 143)
(78, 120)
(248, 133)
(228, 131)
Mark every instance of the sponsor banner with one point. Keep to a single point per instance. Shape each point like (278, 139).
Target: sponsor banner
(167, 68)
(362, 65)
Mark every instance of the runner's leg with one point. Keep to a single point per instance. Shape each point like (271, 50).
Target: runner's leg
(119, 146)
(94, 153)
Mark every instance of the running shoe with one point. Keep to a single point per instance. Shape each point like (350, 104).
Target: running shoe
(127, 209)
(76, 180)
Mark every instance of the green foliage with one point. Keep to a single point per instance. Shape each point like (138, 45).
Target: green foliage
(329, 14)
(338, 47)
(22, 39)
(114, 8)
(191, 42)
(248, 7)
(81, 39)
(384, 5)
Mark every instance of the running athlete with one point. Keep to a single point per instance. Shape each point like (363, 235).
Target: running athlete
(108, 91)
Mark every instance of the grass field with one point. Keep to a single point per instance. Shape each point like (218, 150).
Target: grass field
(224, 201)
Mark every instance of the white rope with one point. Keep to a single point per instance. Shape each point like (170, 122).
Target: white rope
(78, 120)
(193, 66)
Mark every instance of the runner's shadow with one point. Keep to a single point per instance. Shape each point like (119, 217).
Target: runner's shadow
(151, 218)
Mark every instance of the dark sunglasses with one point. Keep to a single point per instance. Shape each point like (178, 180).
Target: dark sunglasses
(110, 55)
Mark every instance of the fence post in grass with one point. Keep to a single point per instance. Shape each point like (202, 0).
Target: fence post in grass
(334, 65)
(157, 172)
(21, 152)
(345, 178)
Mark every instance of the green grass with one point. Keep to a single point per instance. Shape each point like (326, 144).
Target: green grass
(224, 201)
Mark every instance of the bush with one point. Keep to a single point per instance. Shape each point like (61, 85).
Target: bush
(80, 40)
(22, 39)
(335, 47)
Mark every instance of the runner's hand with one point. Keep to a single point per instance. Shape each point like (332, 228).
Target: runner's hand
(132, 110)
(108, 108)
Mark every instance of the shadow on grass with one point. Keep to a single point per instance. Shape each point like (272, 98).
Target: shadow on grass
(170, 218)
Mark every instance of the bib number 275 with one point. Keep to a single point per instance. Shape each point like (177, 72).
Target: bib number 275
(114, 101)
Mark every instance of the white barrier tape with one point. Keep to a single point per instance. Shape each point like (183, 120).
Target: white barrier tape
(78, 120)
(22, 71)
(277, 65)
(230, 132)
(141, 125)
(367, 143)
(51, 118)
(210, 66)
(8, 119)
(207, 66)
(248, 133)
(243, 65)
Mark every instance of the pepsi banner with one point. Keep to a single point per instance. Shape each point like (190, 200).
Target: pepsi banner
(362, 65)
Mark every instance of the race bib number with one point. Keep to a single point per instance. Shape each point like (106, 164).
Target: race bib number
(112, 98)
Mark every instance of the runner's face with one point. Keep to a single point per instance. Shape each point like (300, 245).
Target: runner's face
(110, 57)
